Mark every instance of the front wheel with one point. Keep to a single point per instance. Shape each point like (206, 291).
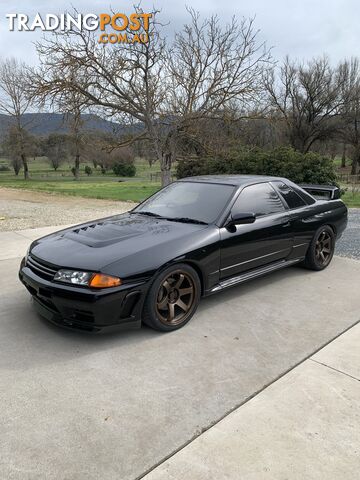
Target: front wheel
(173, 298)
(321, 249)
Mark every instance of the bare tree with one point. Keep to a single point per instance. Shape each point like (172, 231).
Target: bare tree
(343, 156)
(67, 100)
(350, 112)
(144, 149)
(215, 73)
(308, 98)
(208, 71)
(100, 151)
(16, 164)
(75, 123)
(14, 145)
(14, 102)
(56, 148)
(122, 81)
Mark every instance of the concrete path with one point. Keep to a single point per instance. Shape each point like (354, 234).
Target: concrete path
(75, 406)
(305, 425)
(14, 244)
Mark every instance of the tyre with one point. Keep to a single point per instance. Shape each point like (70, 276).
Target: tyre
(172, 298)
(321, 249)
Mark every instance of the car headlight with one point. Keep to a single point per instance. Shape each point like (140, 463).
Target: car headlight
(87, 279)
(73, 276)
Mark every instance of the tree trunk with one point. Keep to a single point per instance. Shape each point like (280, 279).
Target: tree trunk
(166, 161)
(299, 145)
(343, 158)
(354, 163)
(77, 166)
(25, 165)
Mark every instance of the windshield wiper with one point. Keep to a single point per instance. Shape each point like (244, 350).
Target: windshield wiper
(186, 220)
(149, 214)
(171, 219)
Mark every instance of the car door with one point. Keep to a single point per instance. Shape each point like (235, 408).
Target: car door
(301, 217)
(267, 240)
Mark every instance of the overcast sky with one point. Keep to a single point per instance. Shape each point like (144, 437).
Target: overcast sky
(300, 28)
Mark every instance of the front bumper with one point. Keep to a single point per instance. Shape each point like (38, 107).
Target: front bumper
(84, 308)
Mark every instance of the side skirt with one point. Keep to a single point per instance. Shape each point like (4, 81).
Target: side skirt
(258, 272)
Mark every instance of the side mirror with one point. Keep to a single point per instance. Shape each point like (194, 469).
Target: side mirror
(241, 219)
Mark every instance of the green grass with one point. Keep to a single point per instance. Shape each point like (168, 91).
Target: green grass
(126, 191)
(351, 199)
(44, 179)
(108, 186)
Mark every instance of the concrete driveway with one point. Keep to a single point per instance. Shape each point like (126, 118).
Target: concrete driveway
(75, 406)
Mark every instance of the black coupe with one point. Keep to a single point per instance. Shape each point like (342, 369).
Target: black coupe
(193, 238)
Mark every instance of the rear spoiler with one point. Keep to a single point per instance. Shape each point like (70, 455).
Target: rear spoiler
(330, 192)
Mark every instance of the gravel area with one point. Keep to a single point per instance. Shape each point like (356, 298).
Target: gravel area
(21, 209)
(349, 243)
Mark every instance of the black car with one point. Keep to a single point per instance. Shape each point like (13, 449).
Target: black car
(193, 238)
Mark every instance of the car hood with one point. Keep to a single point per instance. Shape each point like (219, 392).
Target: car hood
(136, 241)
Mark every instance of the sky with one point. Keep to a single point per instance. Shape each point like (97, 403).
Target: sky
(303, 28)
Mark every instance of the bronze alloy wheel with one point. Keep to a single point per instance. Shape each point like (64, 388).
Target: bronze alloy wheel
(176, 297)
(323, 248)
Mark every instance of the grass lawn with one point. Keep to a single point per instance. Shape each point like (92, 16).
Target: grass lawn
(126, 191)
(108, 186)
(352, 199)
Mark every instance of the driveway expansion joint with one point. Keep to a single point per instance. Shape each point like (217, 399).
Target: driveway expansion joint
(213, 424)
(335, 369)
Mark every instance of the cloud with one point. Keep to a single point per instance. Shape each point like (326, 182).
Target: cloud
(301, 29)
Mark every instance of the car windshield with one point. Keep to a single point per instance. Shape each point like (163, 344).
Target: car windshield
(187, 201)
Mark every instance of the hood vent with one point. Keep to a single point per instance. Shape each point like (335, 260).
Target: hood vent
(84, 229)
(101, 234)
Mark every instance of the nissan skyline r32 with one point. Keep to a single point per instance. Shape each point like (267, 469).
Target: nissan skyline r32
(193, 238)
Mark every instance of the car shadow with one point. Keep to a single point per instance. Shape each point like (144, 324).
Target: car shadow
(29, 340)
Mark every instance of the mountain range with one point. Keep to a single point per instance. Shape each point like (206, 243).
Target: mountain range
(42, 124)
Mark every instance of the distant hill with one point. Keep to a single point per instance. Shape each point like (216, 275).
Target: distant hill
(42, 124)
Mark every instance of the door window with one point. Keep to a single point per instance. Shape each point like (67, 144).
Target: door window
(260, 199)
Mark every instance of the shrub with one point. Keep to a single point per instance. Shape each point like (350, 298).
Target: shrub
(190, 167)
(4, 168)
(88, 170)
(122, 169)
(282, 162)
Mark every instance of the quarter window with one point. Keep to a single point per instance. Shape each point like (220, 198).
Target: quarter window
(290, 197)
(260, 199)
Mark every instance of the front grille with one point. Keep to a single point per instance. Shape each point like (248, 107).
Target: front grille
(40, 268)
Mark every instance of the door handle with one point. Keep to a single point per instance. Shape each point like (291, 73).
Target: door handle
(286, 223)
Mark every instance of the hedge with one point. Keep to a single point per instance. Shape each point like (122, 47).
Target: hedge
(282, 162)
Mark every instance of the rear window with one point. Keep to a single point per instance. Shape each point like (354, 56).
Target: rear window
(290, 197)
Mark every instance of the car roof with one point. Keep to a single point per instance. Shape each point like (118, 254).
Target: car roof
(235, 180)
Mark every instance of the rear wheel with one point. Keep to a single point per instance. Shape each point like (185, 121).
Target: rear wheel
(172, 299)
(321, 249)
